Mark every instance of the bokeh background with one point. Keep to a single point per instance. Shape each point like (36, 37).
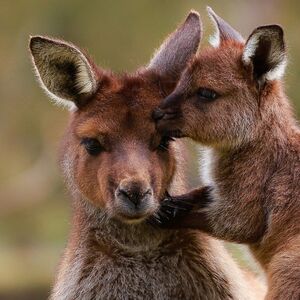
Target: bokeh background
(120, 35)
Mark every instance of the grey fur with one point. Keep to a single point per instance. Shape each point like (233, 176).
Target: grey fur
(174, 53)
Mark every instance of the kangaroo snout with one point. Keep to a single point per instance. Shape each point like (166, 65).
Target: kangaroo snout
(168, 116)
(134, 199)
(172, 101)
(169, 108)
(133, 192)
(158, 114)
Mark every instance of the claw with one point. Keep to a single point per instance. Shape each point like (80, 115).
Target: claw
(177, 204)
(154, 221)
(170, 211)
(158, 220)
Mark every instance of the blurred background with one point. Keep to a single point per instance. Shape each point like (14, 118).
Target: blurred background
(119, 35)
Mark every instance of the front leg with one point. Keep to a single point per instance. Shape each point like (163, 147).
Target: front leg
(221, 220)
(185, 211)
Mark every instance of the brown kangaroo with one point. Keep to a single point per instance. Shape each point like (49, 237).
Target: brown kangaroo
(230, 99)
(118, 168)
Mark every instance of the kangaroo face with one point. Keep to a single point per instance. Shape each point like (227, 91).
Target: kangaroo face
(214, 102)
(118, 159)
(219, 99)
(112, 155)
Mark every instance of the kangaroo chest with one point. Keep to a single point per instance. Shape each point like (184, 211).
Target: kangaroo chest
(139, 277)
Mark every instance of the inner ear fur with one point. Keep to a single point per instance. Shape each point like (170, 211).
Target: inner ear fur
(64, 71)
(265, 50)
(224, 31)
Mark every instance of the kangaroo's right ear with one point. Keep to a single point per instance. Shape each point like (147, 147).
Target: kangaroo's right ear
(64, 72)
(172, 56)
(265, 52)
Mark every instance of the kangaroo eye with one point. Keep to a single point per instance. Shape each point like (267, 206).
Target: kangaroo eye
(92, 146)
(164, 143)
(207, 94)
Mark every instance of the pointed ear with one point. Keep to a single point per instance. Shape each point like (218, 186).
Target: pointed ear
(64, 72)
(178, 48)
(265, 51)
(223, 30)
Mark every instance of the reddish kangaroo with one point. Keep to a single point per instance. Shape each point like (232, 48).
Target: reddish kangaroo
(118, 168)
(230, 98)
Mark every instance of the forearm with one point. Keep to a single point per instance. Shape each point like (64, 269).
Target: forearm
(185, 211)
(197, 198)
(222, 220)
(201, 220)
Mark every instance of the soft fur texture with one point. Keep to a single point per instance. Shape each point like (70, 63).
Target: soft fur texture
(223, 30)
(252, 153)
(64, 72)
(112, 252)
(174, 53)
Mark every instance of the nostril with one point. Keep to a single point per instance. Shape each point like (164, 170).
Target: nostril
(158, 114)
(128, 194)
(124, 193)
(148, 192)
(133, 195)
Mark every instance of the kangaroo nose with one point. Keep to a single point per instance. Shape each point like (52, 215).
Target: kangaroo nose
(158, 114)
(171, 101)
(133, 192)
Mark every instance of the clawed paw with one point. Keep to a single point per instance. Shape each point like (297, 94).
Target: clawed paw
(171, 209)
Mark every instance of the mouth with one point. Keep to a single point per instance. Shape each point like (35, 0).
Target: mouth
(166, 114)
(169, 127)
(133, 215)
(146, 216)
(168, 122)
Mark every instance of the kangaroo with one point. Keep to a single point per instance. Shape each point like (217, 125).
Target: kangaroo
(230, 99)
(118, 168)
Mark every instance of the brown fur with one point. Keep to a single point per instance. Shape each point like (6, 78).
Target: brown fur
(253, 161)
(113, 253)
(107, 257)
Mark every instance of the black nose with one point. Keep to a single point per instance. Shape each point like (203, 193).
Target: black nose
(157, 114)
(133, 193)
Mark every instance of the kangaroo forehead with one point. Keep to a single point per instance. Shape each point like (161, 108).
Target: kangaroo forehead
(123, 103)
(116, 118)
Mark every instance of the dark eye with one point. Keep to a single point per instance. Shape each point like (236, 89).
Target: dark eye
(164, 143)
(207, 94)
(92, 146)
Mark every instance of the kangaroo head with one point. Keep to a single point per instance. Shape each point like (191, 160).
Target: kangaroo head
(228, 91)
(112, 154)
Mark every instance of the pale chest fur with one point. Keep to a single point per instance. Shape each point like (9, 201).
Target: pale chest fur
(138, 277)
(206, 166)
(186, 266)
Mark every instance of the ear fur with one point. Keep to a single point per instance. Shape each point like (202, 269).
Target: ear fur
(265, 50)
(64, 72)
(223, 30)
(178, 48)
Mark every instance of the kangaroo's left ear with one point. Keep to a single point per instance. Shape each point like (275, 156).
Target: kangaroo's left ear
(172, 56)
(65, 73)
(265, 50)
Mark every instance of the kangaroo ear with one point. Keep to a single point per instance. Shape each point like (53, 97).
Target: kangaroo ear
(173, 55)
(265, 50)
(223, 32)
(64, 72)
